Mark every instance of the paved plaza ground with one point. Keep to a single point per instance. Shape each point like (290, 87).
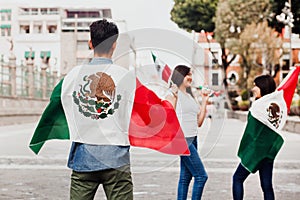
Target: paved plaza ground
(155, 175)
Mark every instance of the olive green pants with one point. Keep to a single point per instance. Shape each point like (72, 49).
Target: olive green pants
(117, 184)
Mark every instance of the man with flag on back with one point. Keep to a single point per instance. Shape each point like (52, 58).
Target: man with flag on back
(102, 93)
(103, 109)
(262, 141)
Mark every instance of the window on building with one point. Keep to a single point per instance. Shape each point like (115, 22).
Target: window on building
(94, 14)
(83, 25)
(8, 16)
(215, 78)
(8, 31)
(5, 29)
(70, 14)
(53, 11)
(34, 11)
(52, 28)
(24, 29)
(3, 32)
(24, 11)
(69, 24)
(44, 11)
(3, 18)
(106, 13)
(232, 77)
(83, 14)
(286, 64)
(37, 28)
(5, 14)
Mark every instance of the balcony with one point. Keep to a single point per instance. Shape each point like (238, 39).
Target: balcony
(79, 24)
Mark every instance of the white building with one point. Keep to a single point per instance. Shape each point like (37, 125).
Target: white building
(53, 35)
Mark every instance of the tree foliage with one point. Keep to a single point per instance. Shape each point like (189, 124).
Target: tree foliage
(194, 15)
(232, 16)
(237, 14)
(255, 42)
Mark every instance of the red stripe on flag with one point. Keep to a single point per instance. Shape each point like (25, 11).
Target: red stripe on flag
(154, 124)
(289, 86)
(166, 73)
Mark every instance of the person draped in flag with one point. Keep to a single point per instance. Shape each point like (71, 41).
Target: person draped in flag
(263, 85)
(104, 108)
(107, 161)
(190, 117)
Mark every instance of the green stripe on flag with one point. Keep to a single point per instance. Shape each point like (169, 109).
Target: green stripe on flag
(153, 57)
(53, 123)
(259, 142)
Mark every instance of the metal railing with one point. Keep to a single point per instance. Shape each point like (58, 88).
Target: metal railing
(27, 81)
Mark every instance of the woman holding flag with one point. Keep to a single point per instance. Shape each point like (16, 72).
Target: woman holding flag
(190, 117)
(261, 140)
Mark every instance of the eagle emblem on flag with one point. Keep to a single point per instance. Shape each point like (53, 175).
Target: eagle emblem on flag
(96, 97)
(274, 114)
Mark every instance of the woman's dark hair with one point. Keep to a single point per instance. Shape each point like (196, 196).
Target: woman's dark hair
(103, 35)
(178, 75)
(266, 84)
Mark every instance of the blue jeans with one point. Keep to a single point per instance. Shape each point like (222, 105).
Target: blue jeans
(191, 166)
(265, 174)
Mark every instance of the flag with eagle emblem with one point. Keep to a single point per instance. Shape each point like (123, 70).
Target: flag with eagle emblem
(266, 117)
(103, 105)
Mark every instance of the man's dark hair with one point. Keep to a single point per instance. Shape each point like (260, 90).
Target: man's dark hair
(266, 84)
(103, 35)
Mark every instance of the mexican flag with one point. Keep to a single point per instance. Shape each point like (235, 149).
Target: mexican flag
(97, 104)
(154, 124)
(162, 68)
(266, 117)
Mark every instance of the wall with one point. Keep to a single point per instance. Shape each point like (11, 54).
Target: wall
(20, 110)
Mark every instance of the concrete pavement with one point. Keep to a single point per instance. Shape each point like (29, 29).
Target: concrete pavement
(155, 175)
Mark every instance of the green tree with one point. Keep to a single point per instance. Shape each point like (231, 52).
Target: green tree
(194, 15)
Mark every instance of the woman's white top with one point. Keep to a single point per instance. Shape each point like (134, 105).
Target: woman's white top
(187, 110)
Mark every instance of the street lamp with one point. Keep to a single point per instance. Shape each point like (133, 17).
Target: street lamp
(287, 18)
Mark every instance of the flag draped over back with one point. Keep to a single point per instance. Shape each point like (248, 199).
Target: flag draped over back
(267, 116)
(162, 68)
(81, 109)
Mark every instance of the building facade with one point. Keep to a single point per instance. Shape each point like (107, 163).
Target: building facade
(54, 37)
(212, 61)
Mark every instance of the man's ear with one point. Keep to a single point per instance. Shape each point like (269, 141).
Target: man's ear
(114, 45)
(90, 44)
